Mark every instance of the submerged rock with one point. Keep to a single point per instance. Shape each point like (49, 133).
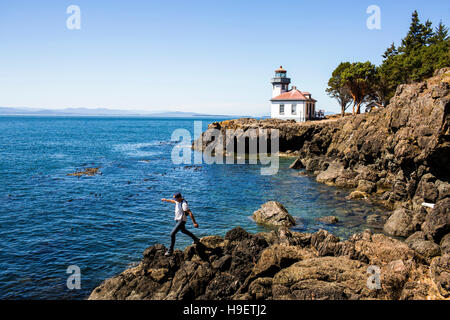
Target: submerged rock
(329, 220)
(357, 195)
(273, 213)
(86, 172)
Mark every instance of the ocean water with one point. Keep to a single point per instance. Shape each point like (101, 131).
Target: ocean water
(102, 224)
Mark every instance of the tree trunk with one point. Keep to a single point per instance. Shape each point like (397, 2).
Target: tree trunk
(358, 108)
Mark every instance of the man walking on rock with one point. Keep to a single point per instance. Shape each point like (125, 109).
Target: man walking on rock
(181, 211)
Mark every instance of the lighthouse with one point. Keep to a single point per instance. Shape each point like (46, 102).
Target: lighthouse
(280, 83)
(290, 103)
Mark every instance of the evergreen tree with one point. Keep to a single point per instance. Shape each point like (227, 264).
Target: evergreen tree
(391, 51)
(440, 34)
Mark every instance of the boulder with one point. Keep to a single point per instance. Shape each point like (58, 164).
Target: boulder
(357, 195)
(379, 249)
(297, 164)
(283, 235)
(273, 213)
(335, 278)
(440, 274)
(329, 219)
(244, 255)
(275, 258)
(425, 248)
(374, 219)
(400, 223)
(437, 222)
(331, 173)
(443, 189)
(366, 186)
(394, 276)
(261, 288)
(311, 164)
(445, 244)
(426, 188)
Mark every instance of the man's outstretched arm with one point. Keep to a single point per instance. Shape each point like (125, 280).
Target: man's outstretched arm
(168, 200)
(193, 218)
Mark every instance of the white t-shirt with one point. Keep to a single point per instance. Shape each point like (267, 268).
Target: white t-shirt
(179, 213)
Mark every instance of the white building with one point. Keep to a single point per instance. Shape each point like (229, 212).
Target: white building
(290, 103)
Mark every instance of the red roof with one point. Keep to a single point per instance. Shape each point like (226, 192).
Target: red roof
(280, 70)
(294, 94)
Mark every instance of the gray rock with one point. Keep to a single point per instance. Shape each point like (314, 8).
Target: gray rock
(437, 223)
(439, 270)
(273, 213)
(400, 223)
(445, 244)
(297, 164)
(333, 171)
(329, 219)
(366, 186)
(374, 219)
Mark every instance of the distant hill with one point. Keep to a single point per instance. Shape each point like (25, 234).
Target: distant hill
(104, 112)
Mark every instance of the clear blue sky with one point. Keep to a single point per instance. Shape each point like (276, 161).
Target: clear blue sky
(210, 56)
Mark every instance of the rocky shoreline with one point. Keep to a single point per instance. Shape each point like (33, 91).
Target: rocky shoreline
(397, 156)
(283, 265)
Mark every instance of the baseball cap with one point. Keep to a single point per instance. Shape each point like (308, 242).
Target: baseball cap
(177, 195)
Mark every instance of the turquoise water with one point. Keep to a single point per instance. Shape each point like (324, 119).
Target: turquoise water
(103, 223)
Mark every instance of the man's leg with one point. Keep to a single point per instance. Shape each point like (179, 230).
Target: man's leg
(185, 231)
(173, 234)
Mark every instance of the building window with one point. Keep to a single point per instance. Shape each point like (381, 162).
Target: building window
(294, 109)
(281, 108)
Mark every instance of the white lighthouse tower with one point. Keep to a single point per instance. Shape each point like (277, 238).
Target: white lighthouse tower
(280, 83)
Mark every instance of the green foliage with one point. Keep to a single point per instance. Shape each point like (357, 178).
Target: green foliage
(440, 34)
(336, 90)
(358, 78)
(419, 35)
(422, 51)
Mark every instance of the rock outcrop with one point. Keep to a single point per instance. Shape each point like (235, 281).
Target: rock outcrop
(396, 156)
(283, 265)
(273, 214)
